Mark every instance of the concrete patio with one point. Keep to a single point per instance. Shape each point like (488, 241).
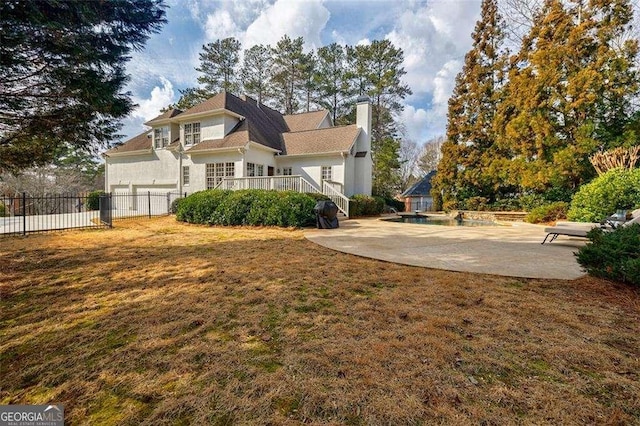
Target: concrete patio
(509, 250)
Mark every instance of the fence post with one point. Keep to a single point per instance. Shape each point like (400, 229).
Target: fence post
(24, 213)
(149, 200)
(168, 203)
(110, 210)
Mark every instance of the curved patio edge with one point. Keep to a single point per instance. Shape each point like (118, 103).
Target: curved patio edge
(512, 250)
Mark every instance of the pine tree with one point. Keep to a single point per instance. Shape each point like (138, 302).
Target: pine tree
(377, 72)
(332, 79)
(287, 77)
(62, 73)
(463, 171)
(308, 87)
(256, 72)
(218, 65)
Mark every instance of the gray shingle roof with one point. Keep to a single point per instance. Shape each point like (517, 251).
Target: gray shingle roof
(292, 134)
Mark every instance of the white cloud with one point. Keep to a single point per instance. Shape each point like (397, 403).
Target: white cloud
(431, 37)
(160, 98)
(221, 25)
(414, 120)
(294, 18)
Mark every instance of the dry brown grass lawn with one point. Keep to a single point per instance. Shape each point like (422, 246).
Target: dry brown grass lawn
(157, 322)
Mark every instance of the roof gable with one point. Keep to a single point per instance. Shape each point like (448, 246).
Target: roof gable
(306, 120)
(164, 116)
(331, 139)
(141, 142)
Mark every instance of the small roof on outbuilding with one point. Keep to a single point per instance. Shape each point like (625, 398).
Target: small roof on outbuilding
(421, 188)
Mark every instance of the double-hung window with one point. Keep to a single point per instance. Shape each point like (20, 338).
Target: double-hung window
(160, 137)
(191, 133)
(326, 173)
(251, 169)
(185, 175)
(287, 171)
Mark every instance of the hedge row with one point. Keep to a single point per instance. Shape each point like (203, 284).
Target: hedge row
(247, 207)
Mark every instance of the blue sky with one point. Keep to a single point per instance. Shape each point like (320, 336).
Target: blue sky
(434, 35)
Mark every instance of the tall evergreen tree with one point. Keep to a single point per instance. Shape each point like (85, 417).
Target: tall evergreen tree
(256, 72)
(463, 171)
(570, 86)
(62, 73)
(218, 65)
(308, 86)
(287, 76)
(332, 79)
(377, 71)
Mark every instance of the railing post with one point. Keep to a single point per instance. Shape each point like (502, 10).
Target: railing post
(149, 202)
(168, 203)
(24, 213)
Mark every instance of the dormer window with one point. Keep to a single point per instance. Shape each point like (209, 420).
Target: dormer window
(161, 137)
(191, 133)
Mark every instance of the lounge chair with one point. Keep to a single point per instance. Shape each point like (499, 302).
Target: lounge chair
(580, 230)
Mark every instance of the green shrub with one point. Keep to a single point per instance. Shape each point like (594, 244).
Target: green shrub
(318, 196)
(93, 200)
(3, 210)
(247, 207)
(549, 213)
(200, 207)
(614, 190)
(613, 255)
(173, 208)
(529, 202)
(364, 205)
(396, 204)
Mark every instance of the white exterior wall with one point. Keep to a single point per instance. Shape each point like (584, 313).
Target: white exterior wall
(349, 178)
(362, 167)
(259, 156)
(362, 171)
(198, 167)
(211, 127)
(310, 168)
(155, 170)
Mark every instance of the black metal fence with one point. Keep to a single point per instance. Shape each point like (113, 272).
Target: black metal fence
(22, 214)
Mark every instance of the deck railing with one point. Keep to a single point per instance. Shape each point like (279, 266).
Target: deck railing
(328, 189)
(277, 183)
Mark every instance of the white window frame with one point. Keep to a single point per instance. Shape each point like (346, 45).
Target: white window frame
(251, 169)
(185, 175)
(287, 171)
(161, 137)
(326, 173)
(215, 172)
(191, 133)
(259, 170)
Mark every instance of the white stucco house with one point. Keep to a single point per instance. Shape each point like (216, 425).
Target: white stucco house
(234, 142)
